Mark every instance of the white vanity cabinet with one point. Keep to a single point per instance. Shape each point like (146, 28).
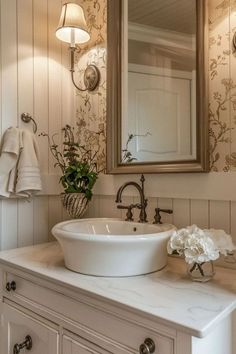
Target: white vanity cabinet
(68, 313)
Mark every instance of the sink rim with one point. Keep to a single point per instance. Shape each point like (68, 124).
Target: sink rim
(111, 255)
(67, 234)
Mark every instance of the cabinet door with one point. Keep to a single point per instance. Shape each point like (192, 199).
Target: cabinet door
(16, 326)
(80, 346)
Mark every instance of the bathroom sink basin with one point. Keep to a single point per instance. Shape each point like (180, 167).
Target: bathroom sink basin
(112, 247)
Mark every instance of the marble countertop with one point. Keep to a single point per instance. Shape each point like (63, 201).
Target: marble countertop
(168, 295)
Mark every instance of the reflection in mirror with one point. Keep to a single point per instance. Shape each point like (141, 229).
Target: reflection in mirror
(159, 123)
(161, 117)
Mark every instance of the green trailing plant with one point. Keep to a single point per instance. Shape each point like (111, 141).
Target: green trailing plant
(76, 162)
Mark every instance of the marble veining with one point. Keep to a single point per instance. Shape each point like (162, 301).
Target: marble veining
(167, 295)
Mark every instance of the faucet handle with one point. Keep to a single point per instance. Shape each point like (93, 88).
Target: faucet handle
(129, 214)
(157, 216)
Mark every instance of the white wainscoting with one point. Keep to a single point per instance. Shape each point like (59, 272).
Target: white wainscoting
(204, 213)
(34, 79)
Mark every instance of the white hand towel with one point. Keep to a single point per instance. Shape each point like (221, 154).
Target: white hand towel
(10, 151)
(28, 181)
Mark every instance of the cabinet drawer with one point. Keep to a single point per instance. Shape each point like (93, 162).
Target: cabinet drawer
(128, 334)
(18, 328)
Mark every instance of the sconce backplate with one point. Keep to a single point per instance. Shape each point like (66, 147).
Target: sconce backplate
(91, 77)
(234, 41)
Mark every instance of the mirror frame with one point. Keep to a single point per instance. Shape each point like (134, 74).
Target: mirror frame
(114, 98)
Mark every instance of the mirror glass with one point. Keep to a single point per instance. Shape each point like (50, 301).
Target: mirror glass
(161, 117)
(159, 83)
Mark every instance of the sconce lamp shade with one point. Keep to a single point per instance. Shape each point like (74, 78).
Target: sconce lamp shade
(72, 27)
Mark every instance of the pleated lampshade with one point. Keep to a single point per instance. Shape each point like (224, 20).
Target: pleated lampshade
(72, 27)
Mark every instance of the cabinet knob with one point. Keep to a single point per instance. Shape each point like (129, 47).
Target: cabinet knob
(148, 347)
(11, 286)
(27, 344)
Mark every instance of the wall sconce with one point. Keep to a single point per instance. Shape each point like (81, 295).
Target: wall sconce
(72, 28)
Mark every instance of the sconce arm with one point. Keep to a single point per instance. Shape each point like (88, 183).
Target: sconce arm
(91, 74)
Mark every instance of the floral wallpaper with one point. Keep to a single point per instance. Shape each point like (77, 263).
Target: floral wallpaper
(91, 107)
(222, 85)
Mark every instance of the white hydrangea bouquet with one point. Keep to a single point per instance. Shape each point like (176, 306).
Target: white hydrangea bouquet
(199, 248)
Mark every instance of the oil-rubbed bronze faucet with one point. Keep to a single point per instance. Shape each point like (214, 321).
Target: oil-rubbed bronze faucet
(143, 201)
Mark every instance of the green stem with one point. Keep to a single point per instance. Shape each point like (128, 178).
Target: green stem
(199, 266)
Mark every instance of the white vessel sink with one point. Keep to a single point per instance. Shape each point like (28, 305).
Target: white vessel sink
(112, 247)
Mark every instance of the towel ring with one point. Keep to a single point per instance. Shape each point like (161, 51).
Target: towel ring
(26, 118)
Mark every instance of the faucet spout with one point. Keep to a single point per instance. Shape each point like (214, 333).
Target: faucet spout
(118, 195)
(143, 202)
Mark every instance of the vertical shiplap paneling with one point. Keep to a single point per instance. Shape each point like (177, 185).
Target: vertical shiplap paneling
(68, 98)
(108, 207)
(25, 223)
(9, 107)
(41, 92)
(55, 213)
(54, 77)
(65, 215)
(41, 95)
(199, 213)
(93, 210)
(54, 100)
(41, 220)
(68, 91)
(9, 224)
(181, 212)
(219, 215)
(32, 75)
(25, 59)
(25, 103)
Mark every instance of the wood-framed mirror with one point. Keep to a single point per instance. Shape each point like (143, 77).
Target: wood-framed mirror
(157, 86)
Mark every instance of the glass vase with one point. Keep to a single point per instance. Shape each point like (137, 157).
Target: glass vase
(201, 272)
